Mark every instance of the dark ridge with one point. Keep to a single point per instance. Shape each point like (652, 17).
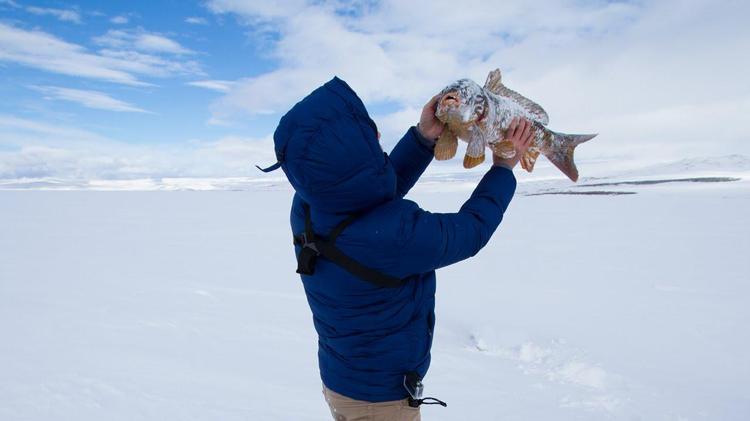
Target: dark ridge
(667, 180)
(585, 193)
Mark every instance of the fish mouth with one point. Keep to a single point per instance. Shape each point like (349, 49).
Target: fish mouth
(450, 109)
(450, 99)
(448, 106)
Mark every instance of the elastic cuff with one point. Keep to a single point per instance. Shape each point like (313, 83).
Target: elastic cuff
(428, 143)
(503, 166)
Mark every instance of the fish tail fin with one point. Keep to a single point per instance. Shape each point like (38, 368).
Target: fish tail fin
(561, 153)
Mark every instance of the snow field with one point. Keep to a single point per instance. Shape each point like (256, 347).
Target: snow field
(185, 305)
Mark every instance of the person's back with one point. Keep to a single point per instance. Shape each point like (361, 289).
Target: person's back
(371, 336)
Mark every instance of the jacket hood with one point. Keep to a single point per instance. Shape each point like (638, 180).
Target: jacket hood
(328, 148)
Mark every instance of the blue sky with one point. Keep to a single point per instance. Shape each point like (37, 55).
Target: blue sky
(97, 90)
(217, 48)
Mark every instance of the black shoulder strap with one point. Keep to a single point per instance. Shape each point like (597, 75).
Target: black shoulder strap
(340, 227)
(312, 246)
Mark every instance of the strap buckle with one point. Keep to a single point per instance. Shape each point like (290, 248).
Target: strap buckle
(309, 244)
(307, 257)
(413, 385)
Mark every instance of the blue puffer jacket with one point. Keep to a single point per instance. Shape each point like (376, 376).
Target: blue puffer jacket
(369, 337)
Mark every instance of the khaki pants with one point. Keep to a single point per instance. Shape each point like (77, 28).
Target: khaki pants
(348, 409)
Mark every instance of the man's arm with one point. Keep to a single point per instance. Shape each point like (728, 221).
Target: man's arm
(415, 150)
(410, 157)
(433, 240)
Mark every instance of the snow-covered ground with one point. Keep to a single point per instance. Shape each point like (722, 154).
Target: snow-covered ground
(166, 305)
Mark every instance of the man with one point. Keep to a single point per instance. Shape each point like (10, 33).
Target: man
(371, 283)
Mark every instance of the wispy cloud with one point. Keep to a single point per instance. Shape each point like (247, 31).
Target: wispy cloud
(44, 51)
(10, 3)
(42, 132)
(152, 65)
(91, 99)
(195, 20)
(119, 20)
(141, 40)
(65, 15)
(214, 85)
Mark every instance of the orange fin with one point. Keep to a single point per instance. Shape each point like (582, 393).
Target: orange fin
(529, 159)
(471, 162)
(446, 145)
(504, 149)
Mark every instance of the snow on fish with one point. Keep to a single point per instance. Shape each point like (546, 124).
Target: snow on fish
(481, 116)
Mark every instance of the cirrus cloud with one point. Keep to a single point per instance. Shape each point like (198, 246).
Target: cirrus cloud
(141, 40)
(196, 20)
(119, 20)
(87, 98)
(65, 15)
(120, 64)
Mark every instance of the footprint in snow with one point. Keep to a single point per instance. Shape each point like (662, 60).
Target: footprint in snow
(559, 364)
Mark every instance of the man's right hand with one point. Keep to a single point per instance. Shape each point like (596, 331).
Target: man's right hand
(429, 126)
(521, 134)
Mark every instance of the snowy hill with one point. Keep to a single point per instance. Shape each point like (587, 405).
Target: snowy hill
(439, 176)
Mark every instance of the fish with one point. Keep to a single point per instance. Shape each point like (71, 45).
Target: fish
(480, 116)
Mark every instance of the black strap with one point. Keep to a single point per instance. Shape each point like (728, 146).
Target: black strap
(341, 226)
(332, 253)
(308, 225)
(273, 167)
(312, 246)
(415, 403)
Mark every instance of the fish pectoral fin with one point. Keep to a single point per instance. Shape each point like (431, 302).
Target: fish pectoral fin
(495, 85)
(475, 151)
(446, 145)
(504, 149)
(529, 159)
(471, 161)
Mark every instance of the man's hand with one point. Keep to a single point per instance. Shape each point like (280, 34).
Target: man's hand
(521, 134)
(429, 126)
